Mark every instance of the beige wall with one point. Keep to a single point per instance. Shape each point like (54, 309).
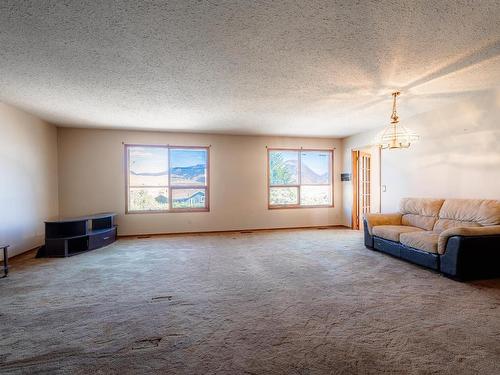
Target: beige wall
(458, 155)
(91, 177)
(28, 178)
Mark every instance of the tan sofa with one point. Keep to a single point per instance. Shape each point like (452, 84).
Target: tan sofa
(459, 237)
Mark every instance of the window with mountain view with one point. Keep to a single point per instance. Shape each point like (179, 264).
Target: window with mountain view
(165, 178)
(300, 178)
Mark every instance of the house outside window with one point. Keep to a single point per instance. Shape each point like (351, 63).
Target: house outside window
(166, 178)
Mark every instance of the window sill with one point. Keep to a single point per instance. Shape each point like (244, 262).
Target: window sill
(172, 211)
(300, 207)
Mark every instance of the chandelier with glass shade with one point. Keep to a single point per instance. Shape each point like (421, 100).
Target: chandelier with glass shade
(395, 135)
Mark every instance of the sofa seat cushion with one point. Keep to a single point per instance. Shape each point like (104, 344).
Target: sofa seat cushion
(392, 232)
(426, 240)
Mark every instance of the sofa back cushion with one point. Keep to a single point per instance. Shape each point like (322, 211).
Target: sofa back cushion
(420, 212)
(419, 221)
(468, 213)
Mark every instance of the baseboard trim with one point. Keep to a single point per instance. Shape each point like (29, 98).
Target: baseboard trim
(233, 231)
(25, 254)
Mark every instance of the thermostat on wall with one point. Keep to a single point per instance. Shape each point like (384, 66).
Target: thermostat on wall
(345, 177)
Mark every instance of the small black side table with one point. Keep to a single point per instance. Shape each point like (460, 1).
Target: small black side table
(5, 260)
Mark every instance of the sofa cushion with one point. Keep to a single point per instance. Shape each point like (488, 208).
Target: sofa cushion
(489, 212)
(420, 212)
(444, 224)
(426, 241)
(467, 213)
(419, 221)
(392, 232)
(421, 206)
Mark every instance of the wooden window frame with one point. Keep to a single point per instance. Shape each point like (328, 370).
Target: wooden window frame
(299, 177)
(169, 187)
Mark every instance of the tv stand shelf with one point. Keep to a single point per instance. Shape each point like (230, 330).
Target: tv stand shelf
(68, 237)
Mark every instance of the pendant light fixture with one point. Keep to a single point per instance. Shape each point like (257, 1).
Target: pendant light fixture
(395, 135)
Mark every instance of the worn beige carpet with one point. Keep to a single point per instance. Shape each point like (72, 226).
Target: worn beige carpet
(282, 302)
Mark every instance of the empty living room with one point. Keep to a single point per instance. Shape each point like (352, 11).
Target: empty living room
(250, 187)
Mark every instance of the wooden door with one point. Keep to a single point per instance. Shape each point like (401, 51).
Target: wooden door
(364, 188)
(355, 186)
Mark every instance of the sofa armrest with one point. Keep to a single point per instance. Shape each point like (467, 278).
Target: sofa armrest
(372, 220)
(465, 232)
(471, 257)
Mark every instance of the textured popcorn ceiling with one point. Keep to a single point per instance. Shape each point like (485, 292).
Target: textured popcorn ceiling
(318, 68)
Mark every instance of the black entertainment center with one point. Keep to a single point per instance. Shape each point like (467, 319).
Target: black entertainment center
(68, 237)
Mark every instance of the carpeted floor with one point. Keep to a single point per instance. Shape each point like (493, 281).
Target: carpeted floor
(282, 302)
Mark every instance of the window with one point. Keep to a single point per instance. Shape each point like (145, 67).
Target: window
(167, 178)
(300, 178)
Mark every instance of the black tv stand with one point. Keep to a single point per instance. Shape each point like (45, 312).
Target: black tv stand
(68, 237)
